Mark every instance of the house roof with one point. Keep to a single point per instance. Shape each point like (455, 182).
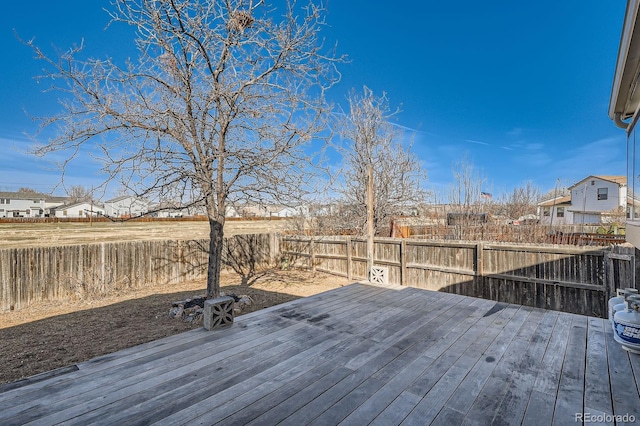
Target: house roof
(56, 199)
(625, 97)
(120, 198)
(556, 201)
(134, 200)
(620, 180)
(70, 206)
(30, 196)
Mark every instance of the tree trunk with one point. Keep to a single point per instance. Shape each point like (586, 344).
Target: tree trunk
(216, 239)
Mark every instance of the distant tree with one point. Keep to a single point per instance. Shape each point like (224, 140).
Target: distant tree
(372, 141)
(522, 201)
(78, 193)
(466, 194)
(469, 205)
(27, 190)
(561, 189)
(218, 107)
(615, 217)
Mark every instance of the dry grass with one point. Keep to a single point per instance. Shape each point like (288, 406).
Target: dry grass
(57, 334)
(18, 235)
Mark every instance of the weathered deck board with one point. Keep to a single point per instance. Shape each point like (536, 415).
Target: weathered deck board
(571, 387)
(597, 395)
(357, 355)
(466, 353)
(493, 369)
(516, 399)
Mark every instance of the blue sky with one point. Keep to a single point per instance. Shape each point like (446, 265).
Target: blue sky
(519, 88)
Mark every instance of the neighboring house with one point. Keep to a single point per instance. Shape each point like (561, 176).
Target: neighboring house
(596, 196)
(254, 211)
(624, 110)
(53, 202)
(168, 211)
(593, 200)
(165, 211)
(78, 210)
(555, 211)
(283, 211)
(273, 211)
(126, 206)
(27, 204)
(231, 211)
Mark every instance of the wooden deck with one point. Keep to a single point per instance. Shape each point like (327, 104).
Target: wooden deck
(357, 355)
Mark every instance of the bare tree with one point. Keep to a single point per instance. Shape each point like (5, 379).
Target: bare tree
(522, 201)
(561, 189)
(372, 142)
(27, 190)
(470, 205)
(466, 194)
(616, 218)
(218, 107)
(77, 193)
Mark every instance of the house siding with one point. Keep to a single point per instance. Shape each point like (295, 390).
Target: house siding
(586, 196)
(78, 210)
(125, 206)
(552, 218)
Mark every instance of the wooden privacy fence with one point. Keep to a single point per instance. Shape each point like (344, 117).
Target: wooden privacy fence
(35, 274)
(584, 235)
(570, 279)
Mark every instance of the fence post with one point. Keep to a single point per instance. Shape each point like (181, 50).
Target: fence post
(102, 262)
(403, 262)
(610, 286)
(479, 259)
(349, 269)
(274, 248)
(480, 283)
(313, 254)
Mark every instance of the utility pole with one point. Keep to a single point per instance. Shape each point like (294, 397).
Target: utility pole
(91, 202)
(370, 229)
(555, 196)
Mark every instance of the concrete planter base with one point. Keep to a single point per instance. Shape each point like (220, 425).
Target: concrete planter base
(218, 312)
(379, 275)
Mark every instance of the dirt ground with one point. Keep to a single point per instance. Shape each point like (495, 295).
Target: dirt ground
(58, 334)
